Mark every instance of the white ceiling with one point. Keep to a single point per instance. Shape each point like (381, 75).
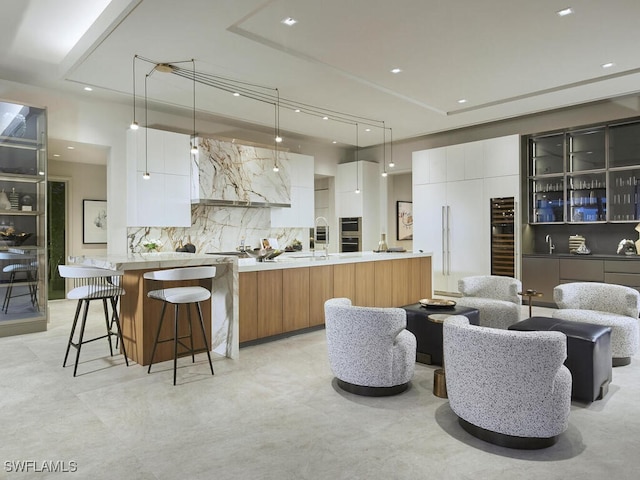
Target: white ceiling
(506, 57)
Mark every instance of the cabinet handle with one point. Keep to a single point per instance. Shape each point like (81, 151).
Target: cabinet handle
(444, 244)
(448, 240)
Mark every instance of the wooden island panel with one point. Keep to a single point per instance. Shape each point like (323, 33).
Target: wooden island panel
(269, 303)
(248, 308)
(344, 280)
(320, 290)
(295, 298)
(365, 294)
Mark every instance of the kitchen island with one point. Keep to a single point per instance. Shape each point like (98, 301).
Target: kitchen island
(256, 300)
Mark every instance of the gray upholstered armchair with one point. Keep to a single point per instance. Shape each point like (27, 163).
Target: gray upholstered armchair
(495, 297)
(605, 304)
(507, 387)
(370, 350)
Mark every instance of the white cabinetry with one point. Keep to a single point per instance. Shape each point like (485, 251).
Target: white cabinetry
(163, 200)
(301, 212)
(366, 204)
(452, 187)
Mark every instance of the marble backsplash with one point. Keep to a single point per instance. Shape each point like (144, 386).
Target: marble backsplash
(217, 229)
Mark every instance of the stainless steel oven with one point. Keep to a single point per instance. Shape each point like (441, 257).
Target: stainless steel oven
(349, 244)
(350, 234)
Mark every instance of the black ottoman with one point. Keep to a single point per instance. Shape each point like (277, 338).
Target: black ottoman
(588, 354)
(428, 333)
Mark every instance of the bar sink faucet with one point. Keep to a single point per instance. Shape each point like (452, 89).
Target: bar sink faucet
(549, 241)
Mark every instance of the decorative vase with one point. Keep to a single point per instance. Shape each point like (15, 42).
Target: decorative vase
(5, 204)
(14, 199)
(382, 244)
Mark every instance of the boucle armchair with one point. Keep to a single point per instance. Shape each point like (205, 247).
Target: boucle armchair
(605, 304)
(370, 351)
(495, 297)
(507, 387)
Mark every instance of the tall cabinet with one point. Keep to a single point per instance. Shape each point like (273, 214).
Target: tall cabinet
(23, 185)
(452, 191)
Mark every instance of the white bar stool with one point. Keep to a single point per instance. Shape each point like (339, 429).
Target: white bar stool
(93, 284)
(179, 296)
(27, 265)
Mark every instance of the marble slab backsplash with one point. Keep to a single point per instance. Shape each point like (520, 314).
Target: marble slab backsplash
(226, 171)
(217, 229)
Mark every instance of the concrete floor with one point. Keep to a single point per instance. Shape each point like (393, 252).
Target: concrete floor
(276, 413)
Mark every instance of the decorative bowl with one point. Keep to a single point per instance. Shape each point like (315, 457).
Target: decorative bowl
(14, 239)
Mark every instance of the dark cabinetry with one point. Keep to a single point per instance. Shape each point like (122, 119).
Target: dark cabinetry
(544, 273)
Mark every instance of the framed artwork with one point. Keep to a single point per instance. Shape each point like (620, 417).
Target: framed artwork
(94, 221)
(404, 216)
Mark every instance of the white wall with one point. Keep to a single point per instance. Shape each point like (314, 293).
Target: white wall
(399, 188)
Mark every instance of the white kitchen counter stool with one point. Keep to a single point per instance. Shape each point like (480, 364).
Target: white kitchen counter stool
(181, 296)
(93, 284)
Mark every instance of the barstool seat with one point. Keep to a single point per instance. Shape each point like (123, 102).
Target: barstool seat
(181, 294)
(177, 296)
(24, 265)
(92, 283)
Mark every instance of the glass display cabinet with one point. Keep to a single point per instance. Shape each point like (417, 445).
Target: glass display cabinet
(585, 176)
(546, 173)
(23, 271)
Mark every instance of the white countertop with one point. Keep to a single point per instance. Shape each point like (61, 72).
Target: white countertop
(141, 261)
(306, 259)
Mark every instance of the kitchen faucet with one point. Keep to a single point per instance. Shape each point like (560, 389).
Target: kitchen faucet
(550, 242)
(326, 236)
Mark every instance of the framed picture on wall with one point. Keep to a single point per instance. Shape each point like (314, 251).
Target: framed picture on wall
(404, 216)
(94, 221)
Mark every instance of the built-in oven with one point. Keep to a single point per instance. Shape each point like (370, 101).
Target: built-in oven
(349, 244)
(350, 234)
(350, 225)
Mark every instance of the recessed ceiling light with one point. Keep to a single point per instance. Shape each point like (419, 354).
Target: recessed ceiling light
(607, 65)
(56, 154)
(289, 21)
(88, 89)
(335, 141)
(564, 12)
(297, 110)
(325, 118)
(71, 148)
(236, 94)
(367, 129)
(462, 100)
(396, 70)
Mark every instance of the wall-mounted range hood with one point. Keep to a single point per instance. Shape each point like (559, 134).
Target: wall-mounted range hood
(228, 174)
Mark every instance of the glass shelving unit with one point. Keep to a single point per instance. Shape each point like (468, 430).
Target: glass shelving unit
(23, 271)
(586, 176)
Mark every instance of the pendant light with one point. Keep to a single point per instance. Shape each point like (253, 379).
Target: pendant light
(384, 151)
(194, 146)
(357, 173)
(146, 175)
(277, 138)
(134, 125)
(391, 164)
